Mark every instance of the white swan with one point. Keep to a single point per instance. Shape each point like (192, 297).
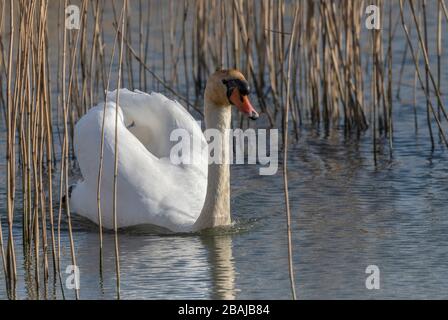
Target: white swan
(151, 189)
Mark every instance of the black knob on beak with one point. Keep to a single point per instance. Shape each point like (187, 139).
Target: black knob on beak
(242, 86)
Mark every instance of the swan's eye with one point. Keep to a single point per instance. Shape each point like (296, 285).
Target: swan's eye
(242, 85)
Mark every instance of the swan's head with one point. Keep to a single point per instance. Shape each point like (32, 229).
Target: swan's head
(229, 87)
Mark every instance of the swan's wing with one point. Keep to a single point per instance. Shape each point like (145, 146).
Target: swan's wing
(151, 190)
(153, 117)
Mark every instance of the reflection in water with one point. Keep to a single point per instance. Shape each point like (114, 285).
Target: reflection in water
(156, 267)
(222, 266)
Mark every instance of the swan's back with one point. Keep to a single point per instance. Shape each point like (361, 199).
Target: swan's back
(152, 118)
(151, 189)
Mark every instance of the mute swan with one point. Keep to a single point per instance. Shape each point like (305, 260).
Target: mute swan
(151, 189)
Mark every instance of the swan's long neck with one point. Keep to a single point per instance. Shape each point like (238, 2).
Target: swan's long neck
(216, 210)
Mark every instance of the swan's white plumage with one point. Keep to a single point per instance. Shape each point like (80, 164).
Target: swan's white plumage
(151, 189)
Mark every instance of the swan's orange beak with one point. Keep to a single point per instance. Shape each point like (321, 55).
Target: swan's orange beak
(243, 104)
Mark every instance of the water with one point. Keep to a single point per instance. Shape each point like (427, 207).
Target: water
(347, 213)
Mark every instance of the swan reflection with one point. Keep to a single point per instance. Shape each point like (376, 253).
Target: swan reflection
(157, 267)
(222, 266)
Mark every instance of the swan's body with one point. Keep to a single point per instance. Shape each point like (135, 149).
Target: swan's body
(151, 189)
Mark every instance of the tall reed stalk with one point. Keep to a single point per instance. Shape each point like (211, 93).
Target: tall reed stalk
(115, 185)
(285, 153)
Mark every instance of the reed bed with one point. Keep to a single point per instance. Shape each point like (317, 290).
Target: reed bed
(311, 63)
